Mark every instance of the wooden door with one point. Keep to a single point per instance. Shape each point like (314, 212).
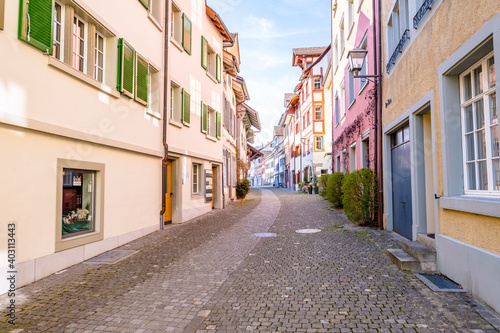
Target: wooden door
(167, 217)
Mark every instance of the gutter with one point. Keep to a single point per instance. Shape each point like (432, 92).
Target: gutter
(165, 111)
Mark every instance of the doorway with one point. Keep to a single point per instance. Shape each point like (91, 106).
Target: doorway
(401, 182)
(167, 216)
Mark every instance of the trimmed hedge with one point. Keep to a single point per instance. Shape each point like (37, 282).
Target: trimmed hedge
(242, 188)
(322, 185)
(360, 197)
(334, 189)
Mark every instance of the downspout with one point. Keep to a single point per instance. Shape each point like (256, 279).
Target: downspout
(377, 60)
(165, 111)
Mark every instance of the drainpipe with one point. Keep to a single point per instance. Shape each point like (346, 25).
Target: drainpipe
(377, 60)
(165, 112)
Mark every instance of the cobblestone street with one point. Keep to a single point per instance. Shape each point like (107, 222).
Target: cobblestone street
(212, 275)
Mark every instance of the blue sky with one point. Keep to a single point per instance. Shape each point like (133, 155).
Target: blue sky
(268, 31)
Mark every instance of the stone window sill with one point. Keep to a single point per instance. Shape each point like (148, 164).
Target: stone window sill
(472, 204)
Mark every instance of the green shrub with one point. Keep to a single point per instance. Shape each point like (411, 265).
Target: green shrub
(334, 189)
(242, 188)
(322, 185)
(360, 197)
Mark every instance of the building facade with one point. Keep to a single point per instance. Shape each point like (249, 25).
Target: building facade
(441, 147)
(80, 119)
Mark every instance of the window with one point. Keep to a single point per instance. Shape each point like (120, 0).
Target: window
(213, 122)
(155, 10)
(99, 57)
(317, 83)
(196, 178)
(176, 24)
(318, 143)
(350, 16)
(365, 151)
(210, 60)
(35, 26)
(337, 109)
(352, 94)
(154, 91)
(398, 24)
(79, 44)
(336, 56)
(342, 37)
(352, 158)
(58, 23)
(186, 33)
(318, 113)
(80, 193)
(78, 202)
(175, 102)
(364, 69)
(342, 99)
(337, 164)
(480, 127)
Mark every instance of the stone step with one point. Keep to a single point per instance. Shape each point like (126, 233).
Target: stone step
(419, 251)
(403, 260)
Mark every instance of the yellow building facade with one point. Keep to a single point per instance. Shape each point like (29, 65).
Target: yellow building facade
(440, 134)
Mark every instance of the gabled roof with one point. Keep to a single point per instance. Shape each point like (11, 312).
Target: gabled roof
(305, 51)
(325, 52)
(219, 24)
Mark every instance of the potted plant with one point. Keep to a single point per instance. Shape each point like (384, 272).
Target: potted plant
(309, 188)
(301, 184)
(315, 184)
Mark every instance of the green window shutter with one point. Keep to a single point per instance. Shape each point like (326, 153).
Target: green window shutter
(204, 118)
(186, 33)
(219, 127)
(218, 69)
(145, 3)
(204, 52)
(126, 64)
(142, 80)
(35, 23)
(186, 108)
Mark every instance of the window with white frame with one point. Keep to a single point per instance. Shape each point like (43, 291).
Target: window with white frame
(337, 109)
(58, 31)
(317, 83)
(211, 122)
(365, 152)
(99, 57)
(351, 92)
(154, 90)
(175, 102)
(350, 16)
(480, 128)
(398, 23)
(342, 37)
(337, 163)
(318, 113)
(343, 167)
(176, 23)
(336, 56)
(342, 99)
(155, 8)
(196, 178)
(79, 44)
(318, 143)
(364, 70)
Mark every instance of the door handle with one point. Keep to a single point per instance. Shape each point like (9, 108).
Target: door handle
(403, 202)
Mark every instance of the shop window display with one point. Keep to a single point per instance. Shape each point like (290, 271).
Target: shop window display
(78, 202)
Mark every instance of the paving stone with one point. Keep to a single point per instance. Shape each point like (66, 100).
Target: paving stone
(211, 275)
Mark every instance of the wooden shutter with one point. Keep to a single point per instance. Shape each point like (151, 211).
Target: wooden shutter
(35, 23)
(218, 68)
(219, 125)
(204, 52)
(142, 80)
(126, 64)
(186, 108)
(186, 33)
(145, 3)
(204, 118)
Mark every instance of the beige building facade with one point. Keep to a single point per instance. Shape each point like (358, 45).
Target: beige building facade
(80, 128)
(194, 132)
(440, 134)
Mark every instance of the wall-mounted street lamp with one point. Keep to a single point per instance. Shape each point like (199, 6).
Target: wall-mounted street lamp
(356, 58)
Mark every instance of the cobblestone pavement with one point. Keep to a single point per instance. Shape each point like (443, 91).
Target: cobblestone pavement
(213, 275)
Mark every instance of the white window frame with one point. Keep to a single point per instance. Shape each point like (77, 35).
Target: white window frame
(353, 164)
(483, 96)
(96, 60)
(196, 179)
(61, 25)
(211, 122)
(316, 113)
(342, 37)
(154, 91)
(85, 39)
(175, 107)
(176, 24)
(364, 70)
(319, 140)
(317, 83)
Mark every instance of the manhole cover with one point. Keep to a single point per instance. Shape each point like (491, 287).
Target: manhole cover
(111, 257)
(308, 231)
(439, 282)
(265, 234)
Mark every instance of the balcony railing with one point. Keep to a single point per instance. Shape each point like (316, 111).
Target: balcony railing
(426, 6)
(398, 50)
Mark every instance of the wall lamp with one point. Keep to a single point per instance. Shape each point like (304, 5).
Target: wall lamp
(356, 58)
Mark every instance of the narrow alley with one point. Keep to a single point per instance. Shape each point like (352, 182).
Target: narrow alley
(214, 274)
